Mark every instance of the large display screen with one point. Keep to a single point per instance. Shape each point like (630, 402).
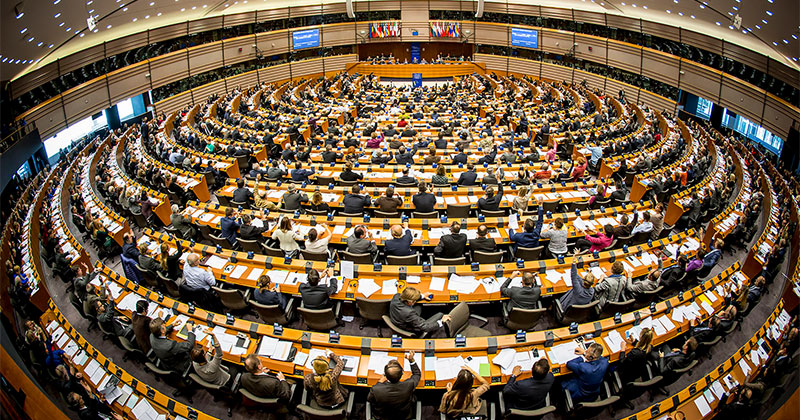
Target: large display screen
(752, 131)
(526, 38)
(698, 106)
(308, 38)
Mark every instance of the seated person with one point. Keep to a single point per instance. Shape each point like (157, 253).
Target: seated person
(354, 202)
(452, 245)
(463, 400)
(242, 194)
(389, 202)
(423, 200)
(145, 261)
(300, 174)
(588, 370)
(582, 291)
(293, 198)
(112, 321)
(529, 237)
(529, 394)
(406, 179)
(400, 244)
(669, 361)
(268, 293)
(229, 226)
(90, 409)
(323, 382)
(524, 297)
(483, 242)
(361, 242)
(596, 241)
(174, 355)
(391, 398)
(262, 383)
(707, 330)
(406, 315)
(314, 295)
(250, 232)
(491, 201)
(209, 367)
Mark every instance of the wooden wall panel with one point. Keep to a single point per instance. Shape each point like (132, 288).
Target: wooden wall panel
(656, 102)
(205, 57)
(168, 69)
(339, 63)
(311, 10)
(272, 14)
(493, 62)
(663, 67)
(590, 17)
(623, 22)
(80, 59)
(33, 79)
(49, 119)
(701, 80)
(486, 33)
(592, 80)
(708, 43)
(743, 55)
(555, 12)
(778, 116)
(168, 32)
(747, 98)
(339, 35)
(80, 103)
(587, 42)
(556, 42)
(239, 19)
(625, 56)
(231, 53)
(525, 67)
(664, 31)
(556, 73)
(174, 103)
(273, 43)
(206, 24)
(127, 82)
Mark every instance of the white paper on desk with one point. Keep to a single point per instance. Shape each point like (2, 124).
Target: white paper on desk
(339, 229)
(634, 261)
(437, 284)
(614, 341)
(413, 279)
(711, 296)
(276, 276)
(505, 358)
(71, 348)
(297, 278)
(216, 262)
(718, 390)
(702, 405)
(378, 360)
(729, 381)
(708, 308)
(389, 287)
(300, 358)
(267, 346)
(238, 271)
(350, 365)
(475, 362)
(131, 402)
(745, 366)
(80, 358)
(114, 289)
(491, 285)
(447, 367)
(677, 314)
(554, 276)
(97, 376)
(144, 411)
(346, 268)
(562, 353)
(598, 272)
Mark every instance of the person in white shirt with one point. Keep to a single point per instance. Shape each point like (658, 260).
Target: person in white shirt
(194, 277)
(645, 226)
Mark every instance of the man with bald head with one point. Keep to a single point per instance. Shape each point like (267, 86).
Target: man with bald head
(197, 284)
(400, 244)
(392, 399)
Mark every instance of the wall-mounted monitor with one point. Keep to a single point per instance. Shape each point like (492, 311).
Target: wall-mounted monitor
(526, 38)
(752, 131)
(308, 38)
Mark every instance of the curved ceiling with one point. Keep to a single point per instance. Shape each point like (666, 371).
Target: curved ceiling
(36, 32)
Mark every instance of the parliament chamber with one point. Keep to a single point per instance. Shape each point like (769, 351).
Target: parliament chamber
(395, 210)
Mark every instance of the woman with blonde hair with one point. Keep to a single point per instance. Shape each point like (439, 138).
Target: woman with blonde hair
(323, 383)
(521, 201)
(287, 237)
(461, 398)
(169, 263)
(318, 204)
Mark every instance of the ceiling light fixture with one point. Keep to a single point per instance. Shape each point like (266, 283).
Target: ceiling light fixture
(23, 30)
(57, 15)
(40, 44)
(769, 13)
(764, 21)
(18, 10)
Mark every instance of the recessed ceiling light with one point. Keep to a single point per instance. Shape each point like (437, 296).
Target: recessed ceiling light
(644, 7)
(96, 30)
(758, 26)
(152, 3)
(204, 6)
(57, 15)
(693, 17)
(719, 24)
(634, 5)
(183, 9)
(147, 16)
(794, 36)
(680, 13)
(159, 14)
(50, 46)
(81, 36)
(40, 44)
(69, 29)
(56, 1)
(23, 30)
(764, 21)
(623, 4)
(135, 19)
(61, 24)
(730, 13)
(194, 7)
(669, 11)
(774, 43)
(731, 27)
(769, 13)
(676, 1)
(30, 39)
(89, 3)
(735, 8)
(702, 6)
(4, 60)
(785, 41)
(91, 11)
(744, 31)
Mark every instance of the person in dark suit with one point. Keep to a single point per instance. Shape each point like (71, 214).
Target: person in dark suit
(261, 383)
(468, 178)
(314, 295)
(491, 201)
(452, 245)
(406, 315)
(626, 227)
(461, 157)
(400, 244)
(299, 174)
(392, 399)
(141, 326)
(91, 408)
(588, 370)
(242, 194)
(229, 226)
(529, 237)
(329, 156)
(524, 297)
(250, 232)
(173, 355)
(406, 179)
(482, 242)
(707, 330)
(423, 200)
(355, 202)
(669, 361)
(529, 394)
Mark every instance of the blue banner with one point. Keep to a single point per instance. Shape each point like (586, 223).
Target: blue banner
(308, 38)
(526, 38)
(416, 52)
(416, 79)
